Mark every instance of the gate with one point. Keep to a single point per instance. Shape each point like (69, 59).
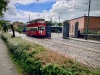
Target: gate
(65, 29)
(48, 29)
(76, 30)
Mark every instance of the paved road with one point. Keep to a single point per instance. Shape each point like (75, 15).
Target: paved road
(86, 52)
(6, 65)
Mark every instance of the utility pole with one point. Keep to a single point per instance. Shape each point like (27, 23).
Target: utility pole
(59, 25)
(51, 21)
(88, 21)
(29, 18)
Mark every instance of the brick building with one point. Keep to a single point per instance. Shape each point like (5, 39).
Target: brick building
(94, 24)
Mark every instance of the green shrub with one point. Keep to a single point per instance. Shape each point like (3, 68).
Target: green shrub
(98, 32)
(0, 27)
(54, 69)
(19, 30)
(5, 36)
(89, 32)
(24, 54)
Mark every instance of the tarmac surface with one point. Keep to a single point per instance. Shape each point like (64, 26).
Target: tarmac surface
(7, 66)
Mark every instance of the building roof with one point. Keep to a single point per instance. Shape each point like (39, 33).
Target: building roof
(85, 16)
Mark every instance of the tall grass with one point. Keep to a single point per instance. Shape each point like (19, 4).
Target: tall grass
(34, 59)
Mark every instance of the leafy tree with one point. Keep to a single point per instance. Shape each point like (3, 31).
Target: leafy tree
(59, 24)
(3, 24)
(3, 6)
(21, 23)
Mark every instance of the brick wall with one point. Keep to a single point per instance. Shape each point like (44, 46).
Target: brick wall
(72, 24)
(94, 24)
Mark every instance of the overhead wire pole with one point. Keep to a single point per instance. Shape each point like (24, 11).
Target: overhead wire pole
(88, 21)
(59, 25)
(29, 18)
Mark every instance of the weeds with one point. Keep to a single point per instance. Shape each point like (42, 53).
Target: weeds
(34, 59)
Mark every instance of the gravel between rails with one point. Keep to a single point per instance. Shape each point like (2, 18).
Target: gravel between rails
(84, 52)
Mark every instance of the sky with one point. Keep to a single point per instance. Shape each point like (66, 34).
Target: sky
(19, 10)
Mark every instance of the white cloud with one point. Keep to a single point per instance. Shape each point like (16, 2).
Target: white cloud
(12, 10)
(68, 9)
(23, 2)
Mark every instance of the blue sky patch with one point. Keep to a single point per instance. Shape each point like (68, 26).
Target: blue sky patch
(34, 7)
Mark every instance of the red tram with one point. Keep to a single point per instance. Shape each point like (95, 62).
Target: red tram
(36, 27)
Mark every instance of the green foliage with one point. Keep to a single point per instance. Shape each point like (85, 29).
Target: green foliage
(0, 27)
(5, 25)
(98, 32)
(19, 29)
(37, 50)
(5, 36)
(3, 5)
(33, 66)
(89, 32)
(18, 48)
(59, 24)
(21, 23)
(54, 69)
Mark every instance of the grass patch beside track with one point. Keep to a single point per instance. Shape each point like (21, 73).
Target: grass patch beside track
(34, 59)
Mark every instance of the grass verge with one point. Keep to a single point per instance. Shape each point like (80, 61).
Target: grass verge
(34, 59)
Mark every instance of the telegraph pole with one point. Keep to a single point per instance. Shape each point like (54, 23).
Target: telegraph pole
(88, 21)
(51, 21)
(29, 18)
(59, 25)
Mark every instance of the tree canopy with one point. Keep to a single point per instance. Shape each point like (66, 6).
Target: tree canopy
(3, 6)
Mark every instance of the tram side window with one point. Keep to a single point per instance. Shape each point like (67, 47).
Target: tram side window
(33, 29)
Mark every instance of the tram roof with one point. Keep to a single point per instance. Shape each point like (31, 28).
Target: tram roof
(35, 20)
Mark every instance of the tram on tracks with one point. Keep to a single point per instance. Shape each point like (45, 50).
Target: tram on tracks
(36, 28)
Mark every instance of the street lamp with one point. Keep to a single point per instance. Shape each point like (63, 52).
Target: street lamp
(88, 21)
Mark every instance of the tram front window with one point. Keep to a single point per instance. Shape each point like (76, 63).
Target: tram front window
(41, 28)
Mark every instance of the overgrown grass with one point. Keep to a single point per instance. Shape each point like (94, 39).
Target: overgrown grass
(34, 59)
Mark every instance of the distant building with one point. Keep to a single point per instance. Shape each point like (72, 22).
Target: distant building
(94, 24)
(18, 24)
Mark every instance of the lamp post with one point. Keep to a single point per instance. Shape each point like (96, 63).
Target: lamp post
(88, 21)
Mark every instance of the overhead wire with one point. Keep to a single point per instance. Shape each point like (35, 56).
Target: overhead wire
(83, 7)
